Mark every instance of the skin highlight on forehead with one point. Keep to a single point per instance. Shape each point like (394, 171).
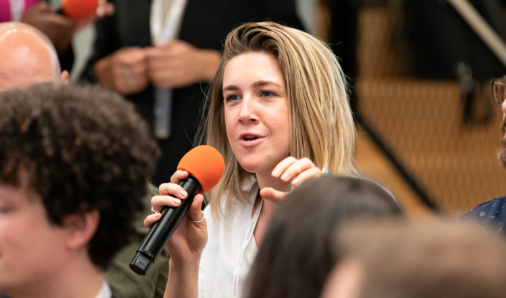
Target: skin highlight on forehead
(26, 58)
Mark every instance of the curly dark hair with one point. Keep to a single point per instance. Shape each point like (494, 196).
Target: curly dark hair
(83, 148)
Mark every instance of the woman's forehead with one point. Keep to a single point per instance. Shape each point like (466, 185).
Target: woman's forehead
(251, 68)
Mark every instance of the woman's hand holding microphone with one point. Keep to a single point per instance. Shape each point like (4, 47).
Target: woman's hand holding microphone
(188, 241)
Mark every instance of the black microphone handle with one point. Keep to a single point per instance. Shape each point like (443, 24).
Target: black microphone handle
(162, 230)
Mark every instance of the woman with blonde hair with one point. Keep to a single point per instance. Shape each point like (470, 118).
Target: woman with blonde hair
(279, 115)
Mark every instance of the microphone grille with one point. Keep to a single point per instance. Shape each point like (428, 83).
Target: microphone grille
(204, 163)
(79, 9)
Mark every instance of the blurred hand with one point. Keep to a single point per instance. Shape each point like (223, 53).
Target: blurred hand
(290, 168)
(60, 29)
(104, 9)
(123, 71)
(178, 64)
(188, 241)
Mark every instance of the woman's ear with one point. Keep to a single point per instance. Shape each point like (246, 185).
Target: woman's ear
(81, 227)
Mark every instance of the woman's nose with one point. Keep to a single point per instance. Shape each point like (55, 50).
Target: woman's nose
(247, 113)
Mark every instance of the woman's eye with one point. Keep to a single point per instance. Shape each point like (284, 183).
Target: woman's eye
(267, 93)
(232, 97)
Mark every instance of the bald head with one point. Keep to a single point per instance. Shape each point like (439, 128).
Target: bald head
(28, 57)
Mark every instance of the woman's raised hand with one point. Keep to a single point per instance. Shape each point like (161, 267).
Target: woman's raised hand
(290, 168)
(190, 238)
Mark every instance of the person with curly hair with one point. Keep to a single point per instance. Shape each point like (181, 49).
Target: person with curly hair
(31, 58)
(74, 162)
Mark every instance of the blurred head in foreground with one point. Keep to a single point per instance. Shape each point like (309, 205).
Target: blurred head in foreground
(28, 57)
(296, 254)
(422, 260)
(74, 162)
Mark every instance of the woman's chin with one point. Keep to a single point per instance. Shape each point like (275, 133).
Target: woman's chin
(250, 166)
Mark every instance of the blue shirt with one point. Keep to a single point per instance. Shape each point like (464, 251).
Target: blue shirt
(492, 213)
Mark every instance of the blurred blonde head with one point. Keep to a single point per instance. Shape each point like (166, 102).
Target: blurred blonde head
(321, 123)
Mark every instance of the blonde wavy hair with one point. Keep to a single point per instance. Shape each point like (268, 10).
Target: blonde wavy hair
(321, 122)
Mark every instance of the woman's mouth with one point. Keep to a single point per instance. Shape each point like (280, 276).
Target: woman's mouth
(250, 139)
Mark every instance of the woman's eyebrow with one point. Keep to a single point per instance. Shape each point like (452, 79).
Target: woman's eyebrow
(230, 87)
(263, 83)
(255, 84)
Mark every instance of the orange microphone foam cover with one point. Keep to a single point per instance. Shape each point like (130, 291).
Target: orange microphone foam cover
(204, 163)
(79, 9)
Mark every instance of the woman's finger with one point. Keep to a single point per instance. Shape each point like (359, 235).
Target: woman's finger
(283, 165)
(311, 173)
(271, 194)
(195, 212)
(151, 219)
(158, 202)
(296, 168)
(178, 176)
(172, 189)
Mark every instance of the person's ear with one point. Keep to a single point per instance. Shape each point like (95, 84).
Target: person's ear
(81, 227)
(64, 77)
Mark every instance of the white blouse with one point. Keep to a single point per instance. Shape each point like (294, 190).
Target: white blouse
(105, 291)
(230, 249)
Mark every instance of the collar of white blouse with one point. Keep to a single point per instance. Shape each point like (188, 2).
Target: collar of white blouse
(105, 291)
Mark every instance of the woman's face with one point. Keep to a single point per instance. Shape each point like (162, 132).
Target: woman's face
(256, 111)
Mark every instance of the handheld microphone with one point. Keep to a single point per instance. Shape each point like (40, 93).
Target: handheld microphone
(205, 165)
(78, 9)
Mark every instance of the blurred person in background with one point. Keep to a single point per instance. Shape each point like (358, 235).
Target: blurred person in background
(28, 57)
(74, 162)
(158, 53)
(420, 260)
(493, 213)
(58, 28)
(296, 255)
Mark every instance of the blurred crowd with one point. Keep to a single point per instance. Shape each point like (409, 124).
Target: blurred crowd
(85, 167)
